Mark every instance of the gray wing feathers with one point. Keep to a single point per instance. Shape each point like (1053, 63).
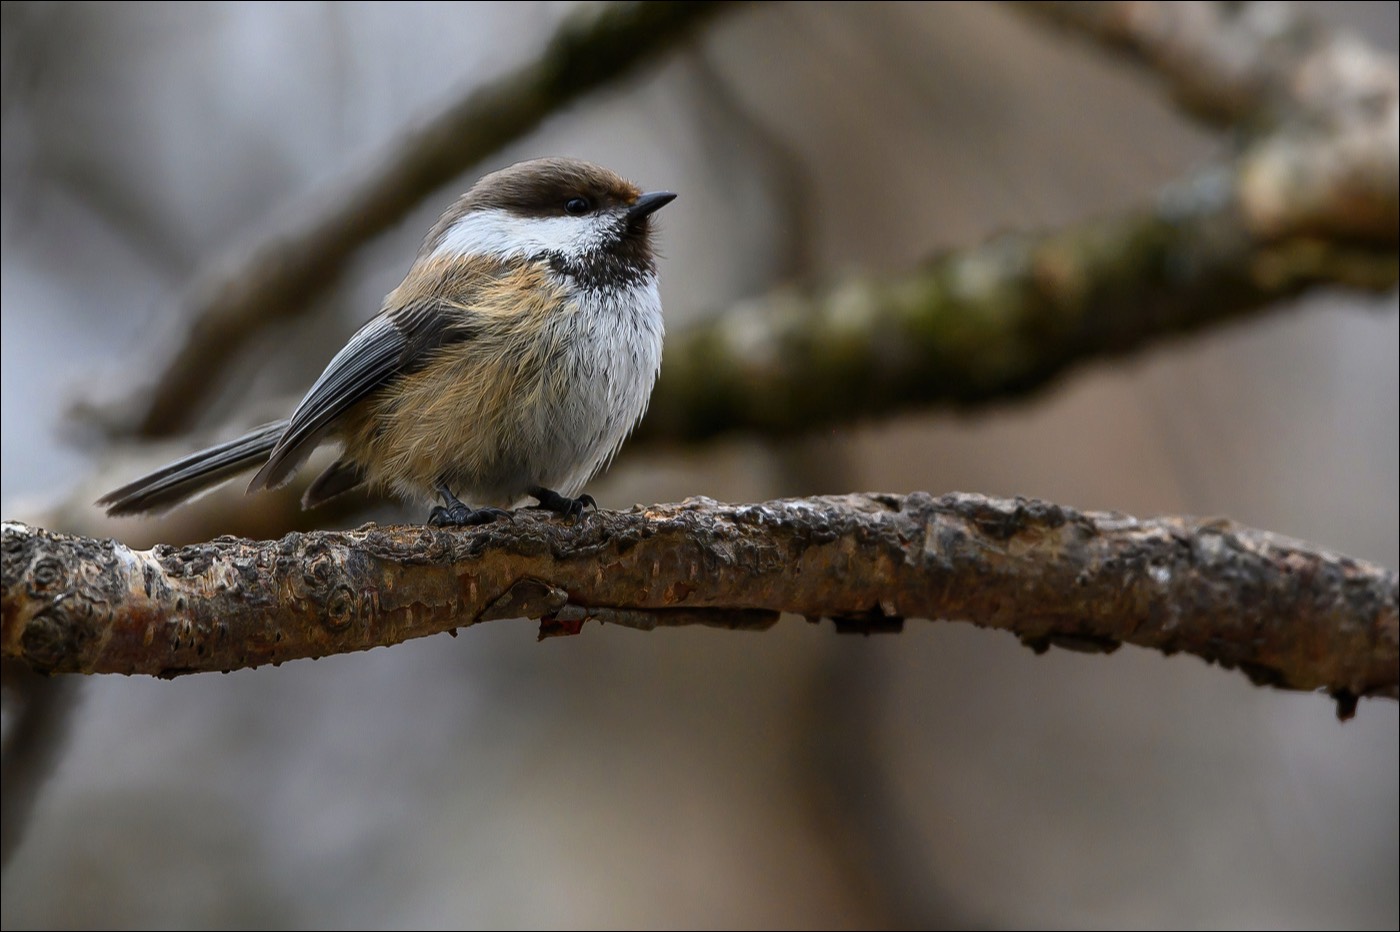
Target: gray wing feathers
(372, 356)
(384, 347)
(172, 484)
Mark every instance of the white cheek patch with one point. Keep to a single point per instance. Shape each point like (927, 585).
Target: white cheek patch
(504, 235)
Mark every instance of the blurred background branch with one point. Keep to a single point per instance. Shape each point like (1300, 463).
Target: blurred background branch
(988, 322)
(42, 708)
(1231, 64)
(283, 268)
(1294, 209)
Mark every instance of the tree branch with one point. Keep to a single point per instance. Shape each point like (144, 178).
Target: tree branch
(1009, 316)
(1314, 201)
(277, 275)
(1288, 615)
(1233, 63)
(38, 712)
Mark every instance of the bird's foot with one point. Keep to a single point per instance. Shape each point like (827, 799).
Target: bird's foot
(461, 515)
(455, 513)
(549, 500)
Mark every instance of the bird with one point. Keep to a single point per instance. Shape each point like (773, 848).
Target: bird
(511, 363)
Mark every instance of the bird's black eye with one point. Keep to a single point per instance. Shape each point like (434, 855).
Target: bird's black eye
(578, 206)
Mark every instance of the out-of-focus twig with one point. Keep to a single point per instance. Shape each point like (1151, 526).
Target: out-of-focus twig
(1007, 317)
(41, 708)
(1314, 201)
(806, 465)
(1288, 615)
(1321, 107)
(277, 274)
(1236, 63)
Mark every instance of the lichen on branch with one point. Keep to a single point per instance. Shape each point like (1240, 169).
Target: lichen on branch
(1006, 317)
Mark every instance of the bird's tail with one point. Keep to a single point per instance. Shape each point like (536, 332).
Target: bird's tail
(170, 485)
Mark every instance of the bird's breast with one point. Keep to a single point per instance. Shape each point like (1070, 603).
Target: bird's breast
(508, 409)
(610, 355)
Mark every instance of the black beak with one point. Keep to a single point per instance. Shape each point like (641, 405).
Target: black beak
(648, 204)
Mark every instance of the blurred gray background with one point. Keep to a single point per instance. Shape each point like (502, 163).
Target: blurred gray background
(944, 776)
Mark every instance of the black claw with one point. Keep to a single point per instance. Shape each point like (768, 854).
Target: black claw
(455, 513)
(562, 505)
(459, 515)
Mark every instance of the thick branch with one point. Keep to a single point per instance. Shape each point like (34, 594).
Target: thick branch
(279, 274)
(1286, 614)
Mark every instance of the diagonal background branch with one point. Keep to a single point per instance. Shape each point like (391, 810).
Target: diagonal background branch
(277, 276)
(1312, 202)
(1294, 210)
(997, 320)
(1234, 63)
(1288, 615)
(1315, 201)
(1272, 67)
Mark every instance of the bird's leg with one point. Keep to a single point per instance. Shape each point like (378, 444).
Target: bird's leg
(559, 504)
(455, 513)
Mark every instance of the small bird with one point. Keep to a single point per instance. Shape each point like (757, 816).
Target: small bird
(515, 357)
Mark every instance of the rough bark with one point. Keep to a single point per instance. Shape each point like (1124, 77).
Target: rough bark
(1286, 614)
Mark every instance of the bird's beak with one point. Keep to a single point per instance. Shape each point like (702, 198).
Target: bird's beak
(648, 204)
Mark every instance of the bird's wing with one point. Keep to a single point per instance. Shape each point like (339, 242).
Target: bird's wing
(389, 345)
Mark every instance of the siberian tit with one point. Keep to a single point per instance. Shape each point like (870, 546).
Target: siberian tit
(515, 357)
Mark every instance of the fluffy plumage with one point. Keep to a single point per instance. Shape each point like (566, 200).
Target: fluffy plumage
(515, 357)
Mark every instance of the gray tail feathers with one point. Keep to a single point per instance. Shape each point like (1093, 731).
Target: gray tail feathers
(182, 479)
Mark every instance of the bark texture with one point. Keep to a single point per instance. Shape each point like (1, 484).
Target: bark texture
(1286, 614)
